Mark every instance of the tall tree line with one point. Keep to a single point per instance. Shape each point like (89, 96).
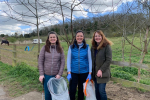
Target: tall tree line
(111, 24)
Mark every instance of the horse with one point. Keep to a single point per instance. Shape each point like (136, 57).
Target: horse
(5, 41)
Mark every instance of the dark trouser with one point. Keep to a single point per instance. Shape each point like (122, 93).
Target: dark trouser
(77, 79)
(100, 90)
(47, 93)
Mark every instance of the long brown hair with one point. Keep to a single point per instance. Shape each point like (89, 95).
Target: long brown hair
(103, 42)
(48, 44)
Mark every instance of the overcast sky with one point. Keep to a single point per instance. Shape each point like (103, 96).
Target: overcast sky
(52, 13)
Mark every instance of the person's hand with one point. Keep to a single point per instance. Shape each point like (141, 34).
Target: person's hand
(57, 76)
(41, 78)
(99, 73)
(89, 77)
(69, 77)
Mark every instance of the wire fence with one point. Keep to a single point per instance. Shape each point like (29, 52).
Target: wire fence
(18, 54)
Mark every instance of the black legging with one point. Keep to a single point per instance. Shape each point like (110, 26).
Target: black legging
(77, 79)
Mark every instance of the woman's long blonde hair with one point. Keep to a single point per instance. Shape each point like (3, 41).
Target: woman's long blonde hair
(103, 42)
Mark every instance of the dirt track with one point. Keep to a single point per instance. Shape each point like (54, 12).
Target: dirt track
(3, 94)
(117, 92)
(114, 92)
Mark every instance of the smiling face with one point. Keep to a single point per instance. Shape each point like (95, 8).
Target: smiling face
(98, 38)
(79, 37)
(52, 39)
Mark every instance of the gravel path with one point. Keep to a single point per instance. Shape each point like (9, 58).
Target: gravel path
(3, 95)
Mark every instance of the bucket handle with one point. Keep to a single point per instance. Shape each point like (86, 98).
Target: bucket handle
(86, 86)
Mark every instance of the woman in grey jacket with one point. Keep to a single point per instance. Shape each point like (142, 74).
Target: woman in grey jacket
(51, 61)
(101, 59)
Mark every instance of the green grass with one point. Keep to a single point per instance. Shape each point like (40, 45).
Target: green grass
(145, 81)
(130, 73)
(123, 75)
(135, 54)
(20, 79)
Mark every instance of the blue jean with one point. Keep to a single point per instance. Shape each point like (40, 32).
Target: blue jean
(100, 90)
(47, 93)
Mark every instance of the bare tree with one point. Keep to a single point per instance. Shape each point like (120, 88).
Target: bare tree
(30, 12)
(71, 6)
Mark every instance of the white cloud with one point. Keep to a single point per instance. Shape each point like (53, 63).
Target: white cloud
(101, 6)
(52, 12)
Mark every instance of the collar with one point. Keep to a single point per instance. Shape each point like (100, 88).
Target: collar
(80, 44)
(53, 46)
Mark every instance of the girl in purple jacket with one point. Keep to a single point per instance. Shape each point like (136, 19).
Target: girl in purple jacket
(51, 61)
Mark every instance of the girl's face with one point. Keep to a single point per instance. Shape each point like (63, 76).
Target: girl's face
(52, 39)
(79, 37)
(98, 38)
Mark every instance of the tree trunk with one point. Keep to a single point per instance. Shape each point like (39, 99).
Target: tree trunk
(37, 25)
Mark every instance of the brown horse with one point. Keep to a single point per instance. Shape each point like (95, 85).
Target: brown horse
(5, 41)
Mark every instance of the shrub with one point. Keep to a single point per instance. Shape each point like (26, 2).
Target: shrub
(145, 81)
(145, 72)
(131, 70)
(26, 75)
(123, 75)
(25, 71)
(12, 39)
(5, 67)
(114, 66)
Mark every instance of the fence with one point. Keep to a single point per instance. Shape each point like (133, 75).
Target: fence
(17, 56)
(15, 59)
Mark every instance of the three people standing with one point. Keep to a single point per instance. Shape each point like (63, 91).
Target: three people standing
(81, 63)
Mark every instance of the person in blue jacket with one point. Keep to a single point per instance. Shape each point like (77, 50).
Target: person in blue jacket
(79, 65)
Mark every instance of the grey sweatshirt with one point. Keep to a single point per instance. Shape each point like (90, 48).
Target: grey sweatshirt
(51, 63)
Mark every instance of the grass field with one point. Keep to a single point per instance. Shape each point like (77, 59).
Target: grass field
(116, 48)
(10, 77)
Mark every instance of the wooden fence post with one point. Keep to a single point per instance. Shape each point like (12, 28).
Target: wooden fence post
(14, 55)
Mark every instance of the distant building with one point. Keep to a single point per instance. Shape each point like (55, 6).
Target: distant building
(36, 41)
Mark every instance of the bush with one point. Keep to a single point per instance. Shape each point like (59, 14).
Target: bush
(114, 66)
(5, 67)
(144, 72)
(131, 70)
(123, 75)
(26, 75)
(12, 39)
(145, 81)
(25, 71)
